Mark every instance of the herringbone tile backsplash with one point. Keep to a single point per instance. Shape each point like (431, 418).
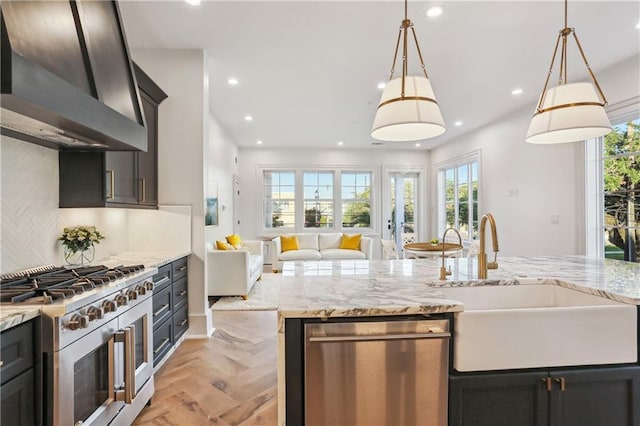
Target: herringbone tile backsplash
(31, 220)
(29, 212)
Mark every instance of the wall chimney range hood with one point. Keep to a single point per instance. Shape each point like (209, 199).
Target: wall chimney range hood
(67, 79)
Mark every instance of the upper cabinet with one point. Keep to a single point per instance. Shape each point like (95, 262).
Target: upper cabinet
(116, 179)
(67, 77)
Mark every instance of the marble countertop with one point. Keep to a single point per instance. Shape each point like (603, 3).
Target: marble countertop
(149, 259)
(395, 287)
(12, 315)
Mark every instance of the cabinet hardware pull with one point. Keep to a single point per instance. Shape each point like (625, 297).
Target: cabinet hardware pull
(182, 268)
(162, 345)
(183, 322)
(562, 383)
(143, 190)
(112, 183)
(182, 293)
(164, 307)
(547, 380)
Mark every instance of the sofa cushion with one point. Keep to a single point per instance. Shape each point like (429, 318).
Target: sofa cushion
(235, 241)
(342, 254)
(330, 240)
(308, 241)
(350, 242)
(289, 242)
(302, 254)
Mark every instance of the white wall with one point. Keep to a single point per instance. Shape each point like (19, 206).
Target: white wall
(182, 125)
(549, 178)
(252, 158)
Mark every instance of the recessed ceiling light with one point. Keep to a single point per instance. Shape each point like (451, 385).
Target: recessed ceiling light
(193, 2)
(434, 11)
(340, 143)
(232, 81)
(248, 118)
(418, 145)
(517, 91)
(458, 123)
(382, 85)
(259, 142)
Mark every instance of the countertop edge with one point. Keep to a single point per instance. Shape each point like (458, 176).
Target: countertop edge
(12, 316)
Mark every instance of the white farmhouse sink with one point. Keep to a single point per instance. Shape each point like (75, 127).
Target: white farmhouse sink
(531, 326)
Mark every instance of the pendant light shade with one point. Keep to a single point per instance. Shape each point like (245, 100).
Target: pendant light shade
(571, 112)
(414, 117)
(568, 112)
(408, 110)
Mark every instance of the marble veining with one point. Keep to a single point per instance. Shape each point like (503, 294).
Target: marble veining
(150, 259)
(390, 287)
(10, 316)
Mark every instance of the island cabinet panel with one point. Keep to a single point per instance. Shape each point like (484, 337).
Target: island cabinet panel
(606, 396)
(499, 400)
(581, 396)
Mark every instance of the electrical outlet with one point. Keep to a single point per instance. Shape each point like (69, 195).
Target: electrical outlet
(555, 219)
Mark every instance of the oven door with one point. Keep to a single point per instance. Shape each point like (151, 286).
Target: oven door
(136, 332)
(84, 382)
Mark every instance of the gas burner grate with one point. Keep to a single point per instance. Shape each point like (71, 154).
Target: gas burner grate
(129, 269)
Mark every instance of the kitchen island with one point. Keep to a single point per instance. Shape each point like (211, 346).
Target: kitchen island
(391, 288)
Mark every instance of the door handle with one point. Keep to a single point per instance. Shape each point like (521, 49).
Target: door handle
(562, 383)
(547, 381)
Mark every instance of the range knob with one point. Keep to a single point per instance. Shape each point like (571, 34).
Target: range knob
(78, 321)
(95, 313)
(121, 300)
(141, 289)
(109, 306)
(148, 285)
(132, 294)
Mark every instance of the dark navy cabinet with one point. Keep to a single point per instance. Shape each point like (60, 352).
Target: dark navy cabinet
(558, 397)
(170, 308)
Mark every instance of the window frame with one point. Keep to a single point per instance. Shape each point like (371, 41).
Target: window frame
(299, 199)
(441, 201)
(621, 112)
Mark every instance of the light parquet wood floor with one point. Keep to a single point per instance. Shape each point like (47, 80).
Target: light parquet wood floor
(229, 379)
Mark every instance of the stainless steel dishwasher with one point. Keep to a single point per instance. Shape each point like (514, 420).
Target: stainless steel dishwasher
(377, 372)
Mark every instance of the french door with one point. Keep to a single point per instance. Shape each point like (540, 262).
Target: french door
(402, 208)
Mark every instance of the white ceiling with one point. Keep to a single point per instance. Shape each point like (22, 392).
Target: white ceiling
(308, 70)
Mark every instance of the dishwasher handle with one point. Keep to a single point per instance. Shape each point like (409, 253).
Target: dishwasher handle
(362, 338)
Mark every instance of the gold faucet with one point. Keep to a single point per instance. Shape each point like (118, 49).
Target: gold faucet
(443, 270)
(483, 266)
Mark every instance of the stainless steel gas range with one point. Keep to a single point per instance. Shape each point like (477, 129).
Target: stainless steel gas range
(97, 360)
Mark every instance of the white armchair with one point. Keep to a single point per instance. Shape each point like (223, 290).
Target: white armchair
(234, 272)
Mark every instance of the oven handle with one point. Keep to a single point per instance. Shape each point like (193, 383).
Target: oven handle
(127, 336)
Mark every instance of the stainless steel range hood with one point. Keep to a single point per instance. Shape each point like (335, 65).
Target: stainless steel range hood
(67, 77)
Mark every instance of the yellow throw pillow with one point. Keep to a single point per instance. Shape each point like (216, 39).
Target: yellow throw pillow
(350, 242)
(222, 245)
(289, 242)
(235, 241)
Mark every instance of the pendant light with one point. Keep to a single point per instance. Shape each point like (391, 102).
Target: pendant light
(408, 109)
(569, 112)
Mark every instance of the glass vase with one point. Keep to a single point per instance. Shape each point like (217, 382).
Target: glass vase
(80, 257)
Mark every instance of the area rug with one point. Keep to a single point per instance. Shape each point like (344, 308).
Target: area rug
(263, 297)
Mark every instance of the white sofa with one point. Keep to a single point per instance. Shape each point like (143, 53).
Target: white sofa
(234, 272)
(319, 246)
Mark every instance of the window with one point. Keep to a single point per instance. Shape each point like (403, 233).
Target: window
(458, 198)
(280, 199)
(330, 200)
(318, 199)
(621, 191)
(356, 200)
